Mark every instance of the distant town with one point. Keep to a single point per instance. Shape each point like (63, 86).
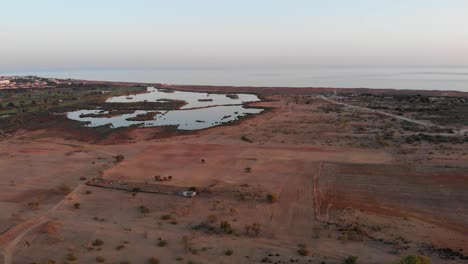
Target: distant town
(12, 82)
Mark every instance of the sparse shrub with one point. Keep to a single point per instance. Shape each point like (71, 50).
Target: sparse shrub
(330, 108)
(414, 259)
(245, 138)
(188, 245)
(153, 260)
(77, 205)
(166, 217)
(83, 178)
(248, 169)
(98, 242)
(88, 192)
(204, 226)
(212, 218)
(64, 189)
(202, 160)
(162, 243)
(302, 250)
(120, 247)
(136, 189)
(254, 228)
(35, 205)
(381, 141)
(271, 198)
(225, 227)
(350, 260)
(143, 209)
(119, 158)
(71, 257)
(228, 252)
(100, 259)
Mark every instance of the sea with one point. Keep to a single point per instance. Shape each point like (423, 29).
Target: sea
(415, 78)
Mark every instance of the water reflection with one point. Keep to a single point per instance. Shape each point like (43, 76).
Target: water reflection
(217, 109)
(194, 100)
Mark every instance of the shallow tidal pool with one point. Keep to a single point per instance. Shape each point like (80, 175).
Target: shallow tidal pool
(202, 110)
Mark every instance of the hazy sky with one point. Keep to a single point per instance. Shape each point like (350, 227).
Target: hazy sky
(59, 34)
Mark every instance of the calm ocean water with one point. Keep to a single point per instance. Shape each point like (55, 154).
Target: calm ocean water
(426, 78)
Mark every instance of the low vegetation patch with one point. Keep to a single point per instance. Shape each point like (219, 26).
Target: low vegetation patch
(153, 260)
(143, 209)
(435, 139)
(271, 198)
(350, 260)
(64, 189)
(71, 257)
(302, 250)
(34, 205)
(162, 243)
(119, 158)
(245, 138)
(98, 242)
(253, 229)
(330, 108)
(166, 217)
(120, 247)
(414, 259)
(446, 253)
(224, 227)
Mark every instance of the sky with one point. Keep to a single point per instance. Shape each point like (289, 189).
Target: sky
(91, 34)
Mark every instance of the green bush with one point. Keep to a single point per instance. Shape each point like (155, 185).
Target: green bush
(350, 260)
(414, 259)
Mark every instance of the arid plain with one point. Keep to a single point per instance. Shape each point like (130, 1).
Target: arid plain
(318, 177)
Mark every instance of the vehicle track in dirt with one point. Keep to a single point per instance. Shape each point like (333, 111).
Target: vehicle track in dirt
(11, 237)
(414, 121)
